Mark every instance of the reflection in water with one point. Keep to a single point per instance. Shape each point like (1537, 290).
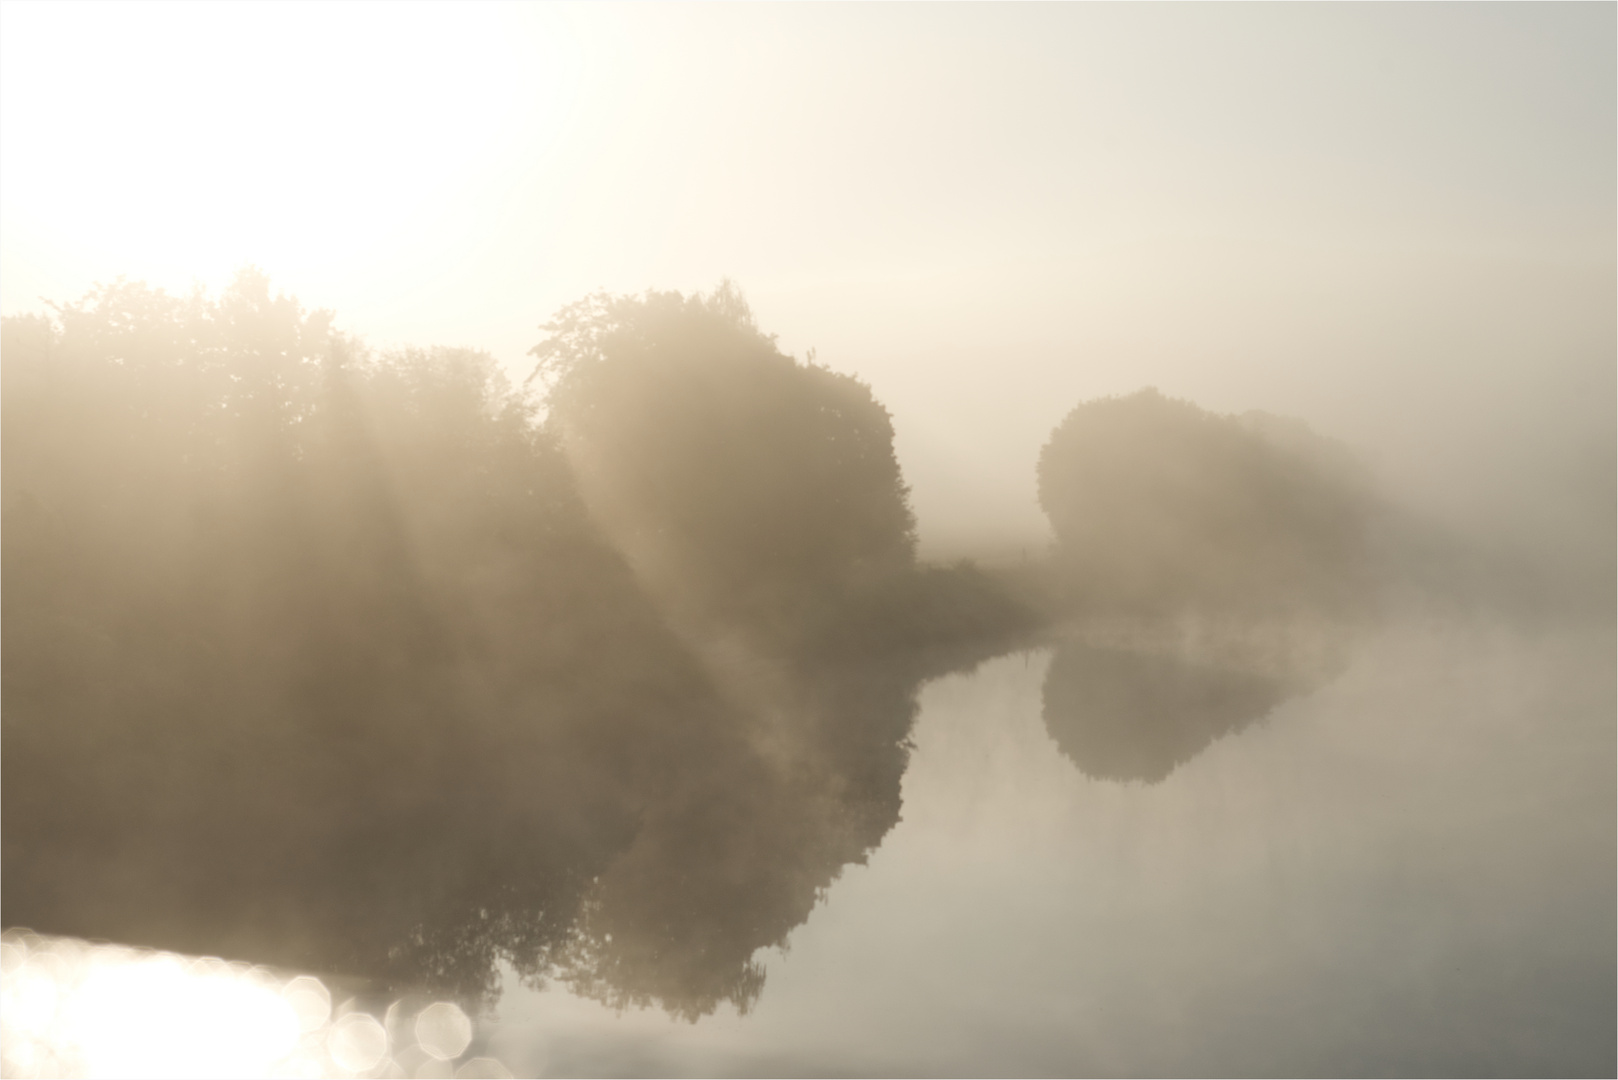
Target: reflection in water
(739, 847)
(1124, 715)
(1136, 701)
(647, 875)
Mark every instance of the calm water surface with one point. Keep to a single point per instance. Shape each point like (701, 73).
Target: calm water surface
(1404, 865)
(1408, 870)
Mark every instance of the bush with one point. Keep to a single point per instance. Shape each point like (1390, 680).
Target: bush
(1159, 506)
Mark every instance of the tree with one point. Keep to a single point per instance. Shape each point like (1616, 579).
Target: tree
(315, 657)
(743, 484)
(310, 655)
(1158, 505)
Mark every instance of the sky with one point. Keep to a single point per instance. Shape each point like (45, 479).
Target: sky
(1396, 222)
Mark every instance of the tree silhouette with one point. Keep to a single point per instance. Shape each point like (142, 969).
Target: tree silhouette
(305, 647)
(1160, 506)
(743, 484)
(318, 657)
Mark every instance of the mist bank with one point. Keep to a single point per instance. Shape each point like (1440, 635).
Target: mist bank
(1477, 389)
(377, 663)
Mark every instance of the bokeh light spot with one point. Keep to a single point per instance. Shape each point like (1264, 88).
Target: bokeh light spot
(443, 1030)
(71, 1008)
(310, 1000)
(357, 1042)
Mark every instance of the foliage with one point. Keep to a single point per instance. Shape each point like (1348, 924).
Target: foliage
(317, 657)
(1158, 506)
(741, 483)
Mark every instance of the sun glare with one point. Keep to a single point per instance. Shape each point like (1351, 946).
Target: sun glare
(72, 1008)
(185, 139)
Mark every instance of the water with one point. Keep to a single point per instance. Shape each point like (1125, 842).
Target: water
(1399, 863)
(1408, 871)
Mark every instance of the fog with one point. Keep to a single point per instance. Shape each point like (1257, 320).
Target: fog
(1394, 223)
(539, 503)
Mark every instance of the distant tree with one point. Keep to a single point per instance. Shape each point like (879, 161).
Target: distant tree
(750, 484)
(1158, 505)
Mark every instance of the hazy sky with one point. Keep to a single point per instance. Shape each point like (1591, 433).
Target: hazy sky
(1395, 221)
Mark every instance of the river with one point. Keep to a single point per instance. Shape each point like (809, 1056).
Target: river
(1407, 869)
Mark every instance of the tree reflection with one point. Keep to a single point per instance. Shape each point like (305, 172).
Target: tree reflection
(736, 855)
(1123, 715)
(1135, 706)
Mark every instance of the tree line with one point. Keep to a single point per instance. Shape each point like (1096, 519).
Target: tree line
(377, 663)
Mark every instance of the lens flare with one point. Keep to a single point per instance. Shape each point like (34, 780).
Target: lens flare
(443, 1030)
(70, 1008)
(357, 1042)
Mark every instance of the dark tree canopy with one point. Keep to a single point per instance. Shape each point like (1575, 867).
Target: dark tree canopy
(734, 476)
(1158, 505)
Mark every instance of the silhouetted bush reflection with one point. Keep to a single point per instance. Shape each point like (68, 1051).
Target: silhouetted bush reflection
(1124, 715)
(1134, 700)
